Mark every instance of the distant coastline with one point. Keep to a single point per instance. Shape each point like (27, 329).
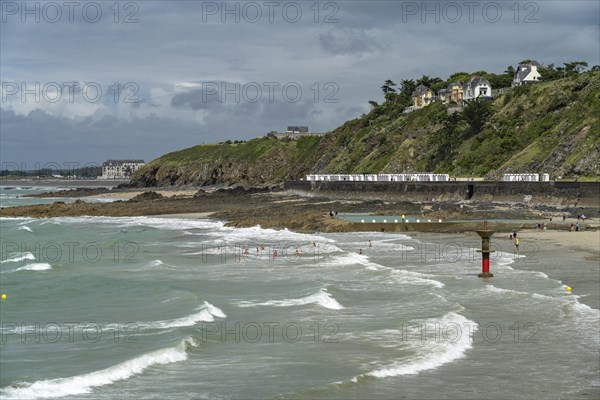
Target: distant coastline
(61, 183)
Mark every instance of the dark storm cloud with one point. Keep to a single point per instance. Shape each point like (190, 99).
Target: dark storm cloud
(175, 47)
(196, 100)
(348, 42)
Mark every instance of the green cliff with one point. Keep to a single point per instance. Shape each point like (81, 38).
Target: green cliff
(548, 127)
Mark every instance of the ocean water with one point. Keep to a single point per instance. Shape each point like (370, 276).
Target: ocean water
(141, 307)
(11, 196)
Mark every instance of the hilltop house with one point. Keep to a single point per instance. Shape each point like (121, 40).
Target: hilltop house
(477, 87)
(442, 95)
(527, 73)
(120, 169)
(422, 96)
(454, 93)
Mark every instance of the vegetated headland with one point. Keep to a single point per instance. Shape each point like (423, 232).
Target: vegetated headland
(548, 127)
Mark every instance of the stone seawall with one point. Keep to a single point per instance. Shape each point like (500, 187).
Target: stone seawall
(583, 194)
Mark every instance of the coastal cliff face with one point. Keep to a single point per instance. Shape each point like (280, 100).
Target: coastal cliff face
(258, 162)
(549, 127)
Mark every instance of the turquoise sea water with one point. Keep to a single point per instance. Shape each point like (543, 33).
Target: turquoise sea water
(104, 308)
(13, 196)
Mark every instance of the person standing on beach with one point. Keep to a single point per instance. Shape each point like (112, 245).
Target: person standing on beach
(403, 217)
(517, 245)
(577, 227)
(515, 235)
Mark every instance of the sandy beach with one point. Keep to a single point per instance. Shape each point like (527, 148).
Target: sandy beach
(588, 241)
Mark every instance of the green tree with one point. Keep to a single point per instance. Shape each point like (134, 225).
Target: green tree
(550, 73)
(445, 143)
(407, 87)
(575, 67)
(428, 81)
(389, 93)
(458, 76)
(476, 113)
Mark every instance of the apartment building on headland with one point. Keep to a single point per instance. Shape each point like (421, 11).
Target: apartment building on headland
(120, 169)
(293, 132)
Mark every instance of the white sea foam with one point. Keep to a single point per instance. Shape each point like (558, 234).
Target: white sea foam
(434, 353)
(204, 313)
(542, 296)
(262, 235)
(22, 257)
(585, 311)
(322, 298)
(82, 384)
(214, 310)
(505, 259)
(171, 299)
(158, 264)
(35, 267)
(24, 228)
(175, 224)
(415, 278)
(495, 289)
(348, 259)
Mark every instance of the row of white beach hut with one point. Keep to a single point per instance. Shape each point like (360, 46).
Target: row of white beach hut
(526, 178)
(418, 177)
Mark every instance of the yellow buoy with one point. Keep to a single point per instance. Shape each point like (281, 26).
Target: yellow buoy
(568, 288)
(3, 296)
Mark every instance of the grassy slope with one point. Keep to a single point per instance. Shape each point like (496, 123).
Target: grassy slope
(547, 127)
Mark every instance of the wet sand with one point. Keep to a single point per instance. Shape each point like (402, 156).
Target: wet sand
(588, 241)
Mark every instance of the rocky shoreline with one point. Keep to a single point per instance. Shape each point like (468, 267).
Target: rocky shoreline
(271, 207)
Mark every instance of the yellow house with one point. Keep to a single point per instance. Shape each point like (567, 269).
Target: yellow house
(454, 93)
(422, 96)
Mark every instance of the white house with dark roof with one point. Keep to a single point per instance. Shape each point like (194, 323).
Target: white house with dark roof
(527, 73)
(477, 87)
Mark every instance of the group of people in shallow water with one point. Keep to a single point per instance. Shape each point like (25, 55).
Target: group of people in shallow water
(259, 249)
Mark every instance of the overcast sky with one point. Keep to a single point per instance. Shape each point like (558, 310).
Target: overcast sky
(87, 81)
